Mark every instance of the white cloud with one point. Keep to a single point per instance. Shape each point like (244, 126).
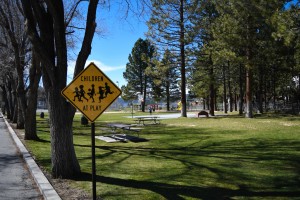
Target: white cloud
(103, 67)
(99, 64)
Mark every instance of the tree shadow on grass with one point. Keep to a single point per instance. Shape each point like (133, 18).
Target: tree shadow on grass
(221, 158)
(42, 140)
(260, 151)
(42, 130)
(178, 192)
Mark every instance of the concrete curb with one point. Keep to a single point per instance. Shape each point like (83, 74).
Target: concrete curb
(44, 185)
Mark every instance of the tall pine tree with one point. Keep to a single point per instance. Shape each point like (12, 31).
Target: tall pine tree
(135, 73)
(169, 28)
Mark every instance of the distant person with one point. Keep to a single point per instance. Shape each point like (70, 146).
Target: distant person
(150, 110)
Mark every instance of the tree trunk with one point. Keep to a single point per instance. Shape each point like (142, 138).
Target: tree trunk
(30, 122)
(20, 98)
(21, 93)
(229, 90)
(265, 97)
(63, 157)
(182, 56)
(20, 117)
(235, 100)
(274, 87)
(15, 113)
(249, 104)
(211, 99)
(144, 95)
(224, 92)
(168, 96)
(241, 99)
(260, 91)
(48, 20)
(211, 93)
(4, 98)
(10, 104)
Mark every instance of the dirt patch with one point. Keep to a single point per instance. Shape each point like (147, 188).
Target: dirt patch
(65, 190)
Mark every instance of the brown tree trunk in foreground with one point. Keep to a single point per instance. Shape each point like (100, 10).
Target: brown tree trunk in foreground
(63, 157)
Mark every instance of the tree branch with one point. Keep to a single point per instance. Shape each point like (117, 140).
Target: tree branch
(88, 37)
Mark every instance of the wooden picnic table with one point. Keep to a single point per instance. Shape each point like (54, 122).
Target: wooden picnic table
(144, 119)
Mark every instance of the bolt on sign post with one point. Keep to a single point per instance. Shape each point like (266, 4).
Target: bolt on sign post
(91, 92)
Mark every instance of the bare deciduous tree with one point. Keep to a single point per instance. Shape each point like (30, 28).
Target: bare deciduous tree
(47, 30)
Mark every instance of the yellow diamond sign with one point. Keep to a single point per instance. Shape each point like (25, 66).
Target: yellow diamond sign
(91, 92)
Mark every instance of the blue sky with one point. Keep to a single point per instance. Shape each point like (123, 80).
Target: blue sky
(110, 51)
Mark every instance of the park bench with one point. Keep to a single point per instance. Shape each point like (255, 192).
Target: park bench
(202, 112)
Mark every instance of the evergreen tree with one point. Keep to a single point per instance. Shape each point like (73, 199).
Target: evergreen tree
(135, 73)
(203, 80)
(166, 78)
(287, 23)
(169, 27)
(243, 27)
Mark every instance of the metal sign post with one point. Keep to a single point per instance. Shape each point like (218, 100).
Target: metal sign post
(91, 92)
(93, 160)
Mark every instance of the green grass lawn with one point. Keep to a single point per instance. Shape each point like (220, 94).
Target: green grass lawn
(228, 157)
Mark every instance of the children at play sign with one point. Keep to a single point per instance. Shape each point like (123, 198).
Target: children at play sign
(91, 92)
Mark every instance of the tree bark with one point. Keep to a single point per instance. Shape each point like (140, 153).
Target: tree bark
(241, 96)
(30, 122)
(15, 113)
(182, 56)
(224, 91)
(211, 92)
(168, 95)
(21, 94)
(9, 88)
(144, 94)
(4, 107)
(20, 117)
(229, 89)
(260, 92)
(249, 104)
(63, 157)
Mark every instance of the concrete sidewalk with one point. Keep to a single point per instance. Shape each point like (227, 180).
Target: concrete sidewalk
(13, 154)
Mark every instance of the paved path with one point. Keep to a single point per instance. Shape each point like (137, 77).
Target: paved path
(15, 179)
